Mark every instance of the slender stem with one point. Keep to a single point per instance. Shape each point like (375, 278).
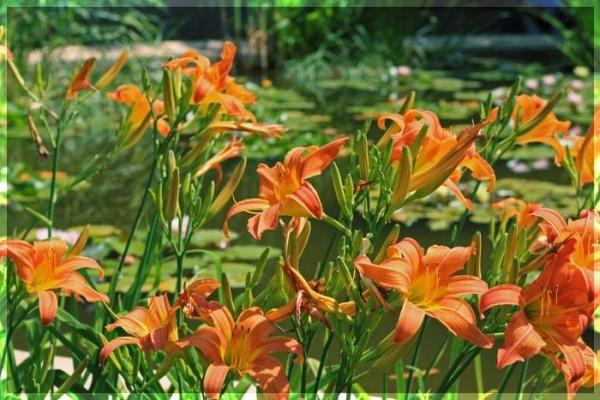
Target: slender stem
(55, 157)
(415, 357)
(505, 379)
(519, 389)
(117, 273)
(11, 327)
(322, 363)
(455, 371)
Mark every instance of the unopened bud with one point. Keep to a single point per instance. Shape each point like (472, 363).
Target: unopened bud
(172, 206)
(169, 96)
(228, 189)
(402, 181)
(110, 74)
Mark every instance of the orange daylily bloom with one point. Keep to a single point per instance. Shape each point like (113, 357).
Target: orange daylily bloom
(81, 80)
(308, 298)
(151, 329)
(244, 347)
(284, 189)
(554, 310)
(262, 129)
(587, 152)
(212, 83)
(528, 107)
(193, 301)
(232, 150)
(442, 152)
(47, 267)
(139, 115)
(520, 209)
(429, 286)
(585, 232)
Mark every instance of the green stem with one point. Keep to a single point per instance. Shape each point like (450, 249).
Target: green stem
(55, 157)
(322, 363)
(455, 371)
(11, 327)
(505, 379)
(519, 389)
(415, 358)
(117, 273)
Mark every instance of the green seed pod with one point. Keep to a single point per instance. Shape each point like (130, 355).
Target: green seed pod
(169, 96)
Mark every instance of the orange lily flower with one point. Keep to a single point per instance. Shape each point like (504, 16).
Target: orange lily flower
(587, 152)
(309, 298)
(528, 107)
(243, 347)
(262, 129)
(585, 233)
(429, 287)
(212, 83)
(193, 301)
(520, 209)
(442, 152)
(48, 266)
(151, 329)
(284, 189)
(554, 310)
(232, 150)
(81, 80)
(140, 116)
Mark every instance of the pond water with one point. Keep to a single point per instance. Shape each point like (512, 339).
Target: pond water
(114, 194)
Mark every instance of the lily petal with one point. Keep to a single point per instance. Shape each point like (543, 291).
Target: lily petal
(409, 322)
(385, 276)
(500, 295)
(48, 305)
(270, 376)
(521, 341)
(456, 315)
(462, 285)
(213, 379)
(113, 344)
(315, 163)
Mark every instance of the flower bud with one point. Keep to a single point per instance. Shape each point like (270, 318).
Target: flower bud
(402, 181)
(391, 238)
(113, 71)
(338, 187)
(169, 96)
(171, 163)
(473, 267)
(362, 150)
(228, 189)
(172, 205)
(408, 103)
